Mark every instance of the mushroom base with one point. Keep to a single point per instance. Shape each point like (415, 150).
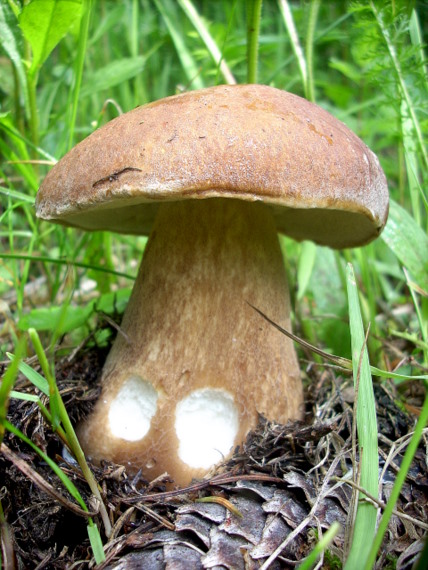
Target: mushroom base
(195, 365)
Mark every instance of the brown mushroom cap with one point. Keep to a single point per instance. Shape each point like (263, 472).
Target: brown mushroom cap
(250, 142)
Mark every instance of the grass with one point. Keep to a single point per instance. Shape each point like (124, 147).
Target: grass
(362, 61)
(366, 473)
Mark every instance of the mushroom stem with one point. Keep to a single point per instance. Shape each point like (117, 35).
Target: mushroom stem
(196, 364)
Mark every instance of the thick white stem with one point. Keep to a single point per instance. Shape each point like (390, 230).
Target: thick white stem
(194, 342)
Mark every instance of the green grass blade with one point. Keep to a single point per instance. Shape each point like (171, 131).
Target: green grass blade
(344, 363)
(34, 377)
(423, 323)
(16, 195)
(14, 150)
(304, 269)
(365, 520)
(45, 412)
(23, 142)
(191, 69)
(109, 20)
(59, 415)
(417, 40)
(295, 42)
(78, 68)
(93, 534)
(408, 242)
(411, 160)
(321, 546)
(399, 481)
(96, 542)
(65, 480)
(6, 385)
(115, 73)
(24, 397)
(53, 390)
(45, 259)
(189, 9)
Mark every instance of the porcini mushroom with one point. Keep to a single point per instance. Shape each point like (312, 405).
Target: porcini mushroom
(212, 175)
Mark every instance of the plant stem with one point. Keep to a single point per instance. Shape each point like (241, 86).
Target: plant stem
(295, 42)
(56, 402)
(31, 87)
(17, 102)
(81, 459)
(34, 117)
(313, 14)
(78, 68)
(191, 12)
(254, 10)
(364, 523)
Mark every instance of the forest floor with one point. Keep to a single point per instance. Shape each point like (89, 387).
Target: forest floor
(265, 507)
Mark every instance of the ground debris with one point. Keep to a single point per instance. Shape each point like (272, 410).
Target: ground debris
(285, 481)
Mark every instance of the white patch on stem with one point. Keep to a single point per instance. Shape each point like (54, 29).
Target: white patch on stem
(132, 410)
(206, 423)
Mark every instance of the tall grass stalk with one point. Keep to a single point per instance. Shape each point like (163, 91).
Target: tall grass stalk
(364, 525)
(313, 15)
(418, 41)
(191, 12)
(191, 69)
(140, 92)
(423, 322)
(254, 13)
(295, 42)
(78, 68)
(32, 101)
(60, 414)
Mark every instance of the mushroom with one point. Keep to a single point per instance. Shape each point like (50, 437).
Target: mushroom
(212, 176)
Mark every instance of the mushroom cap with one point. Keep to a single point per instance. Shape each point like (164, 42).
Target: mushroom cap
(250, 142)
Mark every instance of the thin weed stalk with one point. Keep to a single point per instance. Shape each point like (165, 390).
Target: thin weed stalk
(295, 43)
(78, 68)
(189, 9)
(313, 15)
(60, 415)
(254, 12)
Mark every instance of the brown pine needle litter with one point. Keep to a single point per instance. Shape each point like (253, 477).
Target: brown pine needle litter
(289, 483)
